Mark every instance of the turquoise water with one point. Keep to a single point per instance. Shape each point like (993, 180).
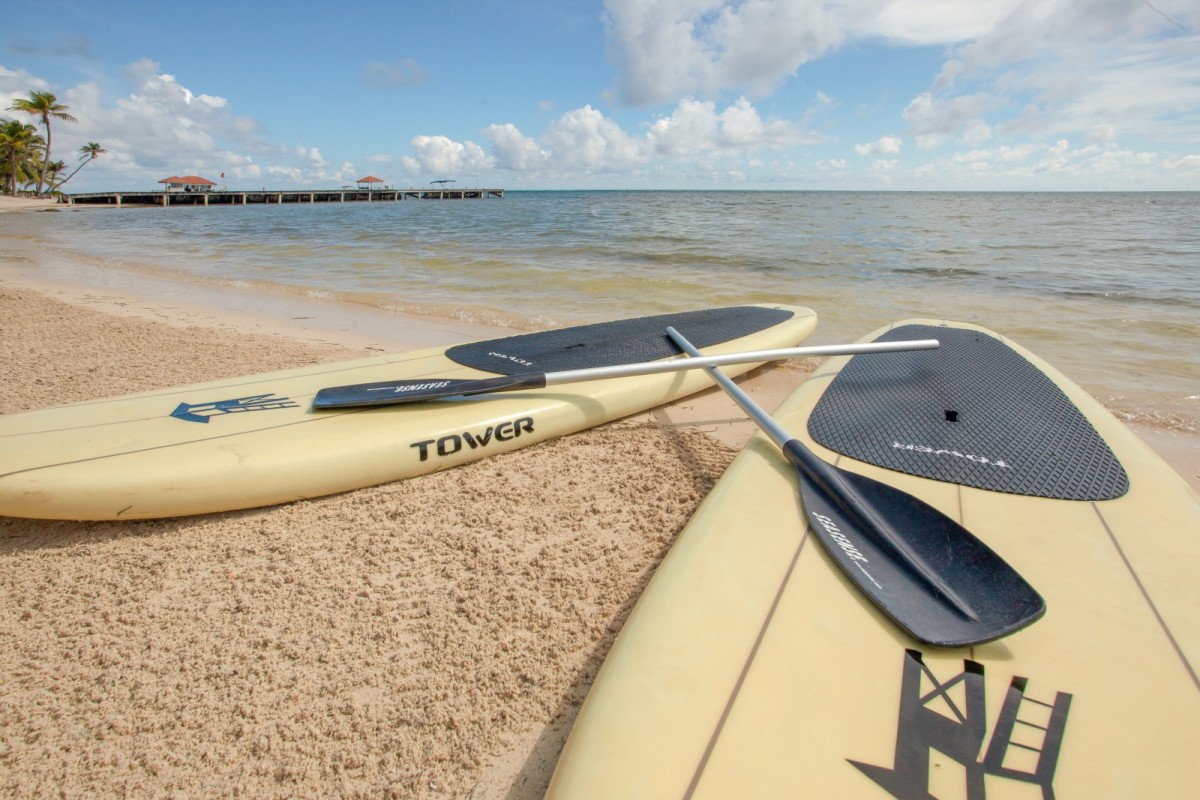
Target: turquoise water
(1103, 285)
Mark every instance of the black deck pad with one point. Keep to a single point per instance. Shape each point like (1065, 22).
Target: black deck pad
(611, 343)
(973, 412)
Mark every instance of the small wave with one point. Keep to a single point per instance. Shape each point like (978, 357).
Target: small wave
(1128, 296)
(938, 272)
(1031, 246)
(1156, 419)
(481, 315)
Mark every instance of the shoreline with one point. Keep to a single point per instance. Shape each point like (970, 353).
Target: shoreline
(141, 295)
(370, 329)
(9, 204)
(1129, 354)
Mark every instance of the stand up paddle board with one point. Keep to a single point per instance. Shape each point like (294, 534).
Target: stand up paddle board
(256, 440)
(752, 667)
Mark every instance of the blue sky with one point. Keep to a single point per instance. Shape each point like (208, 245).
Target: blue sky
(630, 94)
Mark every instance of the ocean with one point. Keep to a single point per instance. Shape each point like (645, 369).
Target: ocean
(1106, 286)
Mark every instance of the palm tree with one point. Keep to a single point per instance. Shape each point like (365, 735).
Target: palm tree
(53, 170)
(87, 154)
(44, 105)
(20, 147)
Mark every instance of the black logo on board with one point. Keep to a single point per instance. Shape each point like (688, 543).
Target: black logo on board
(202, 412)
(449, 445)
(950, 717)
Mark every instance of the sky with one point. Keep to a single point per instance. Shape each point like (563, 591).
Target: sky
(989, 95)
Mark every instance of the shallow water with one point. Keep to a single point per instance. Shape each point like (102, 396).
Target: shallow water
(1102, 285)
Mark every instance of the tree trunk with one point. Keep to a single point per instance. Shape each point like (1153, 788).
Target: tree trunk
(46, 160)
(59, 185)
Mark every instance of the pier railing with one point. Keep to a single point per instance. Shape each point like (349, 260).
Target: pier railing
(223, 197)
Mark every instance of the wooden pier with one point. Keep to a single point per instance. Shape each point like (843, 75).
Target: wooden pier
(223, 197)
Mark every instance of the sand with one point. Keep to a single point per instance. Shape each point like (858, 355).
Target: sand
(9, 204)
(427, 638)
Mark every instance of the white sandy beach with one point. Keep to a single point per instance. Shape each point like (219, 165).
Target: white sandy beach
(10, 204)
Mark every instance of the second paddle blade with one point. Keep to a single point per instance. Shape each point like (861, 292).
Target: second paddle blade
(891, 543)
(390, 393)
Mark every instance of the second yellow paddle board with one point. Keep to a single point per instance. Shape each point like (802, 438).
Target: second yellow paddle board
(752, 668)
(255, 440)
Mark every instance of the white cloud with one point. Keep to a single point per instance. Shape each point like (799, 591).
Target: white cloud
(439, 155)
(1050, 166)
(316, 161)
(585, 140)
(158, 128)
(667, 49)
(926, 22)
(17, 84)
(161, 127)
(696, 127)
(1190, 163)
(934, 121)
(288, 174)
(1104, 71)
(1003, 154)
(690, 129)
(513, 150)
(741, 126)
(888, 145)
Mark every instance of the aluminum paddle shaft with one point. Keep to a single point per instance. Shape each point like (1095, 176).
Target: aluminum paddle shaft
(386, 393)
(932, 576)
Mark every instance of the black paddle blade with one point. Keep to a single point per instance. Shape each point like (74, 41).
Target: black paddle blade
(933, 577)
(389, 393)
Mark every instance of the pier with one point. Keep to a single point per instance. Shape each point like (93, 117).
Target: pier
(224, 197)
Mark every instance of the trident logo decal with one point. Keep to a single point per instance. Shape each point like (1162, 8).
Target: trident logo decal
(203, 412)
(1024, 746)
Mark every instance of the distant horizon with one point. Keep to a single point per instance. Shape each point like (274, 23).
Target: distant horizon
(665, 189)
(622, 95)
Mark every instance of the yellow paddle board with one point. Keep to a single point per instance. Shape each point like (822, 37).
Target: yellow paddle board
(751, 667)
(256, 440)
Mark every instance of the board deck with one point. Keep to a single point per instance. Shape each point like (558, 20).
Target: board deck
(255, 440)
(751, 667)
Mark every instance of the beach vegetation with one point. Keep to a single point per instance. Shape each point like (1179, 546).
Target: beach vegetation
(53, 170)
(87, 154)
(21, 150)
(44, 106)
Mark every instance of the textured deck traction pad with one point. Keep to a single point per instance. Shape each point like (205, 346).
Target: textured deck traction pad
(611, 343)
(973, 412)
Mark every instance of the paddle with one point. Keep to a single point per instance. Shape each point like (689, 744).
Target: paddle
(385, 393)
(929, 574)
